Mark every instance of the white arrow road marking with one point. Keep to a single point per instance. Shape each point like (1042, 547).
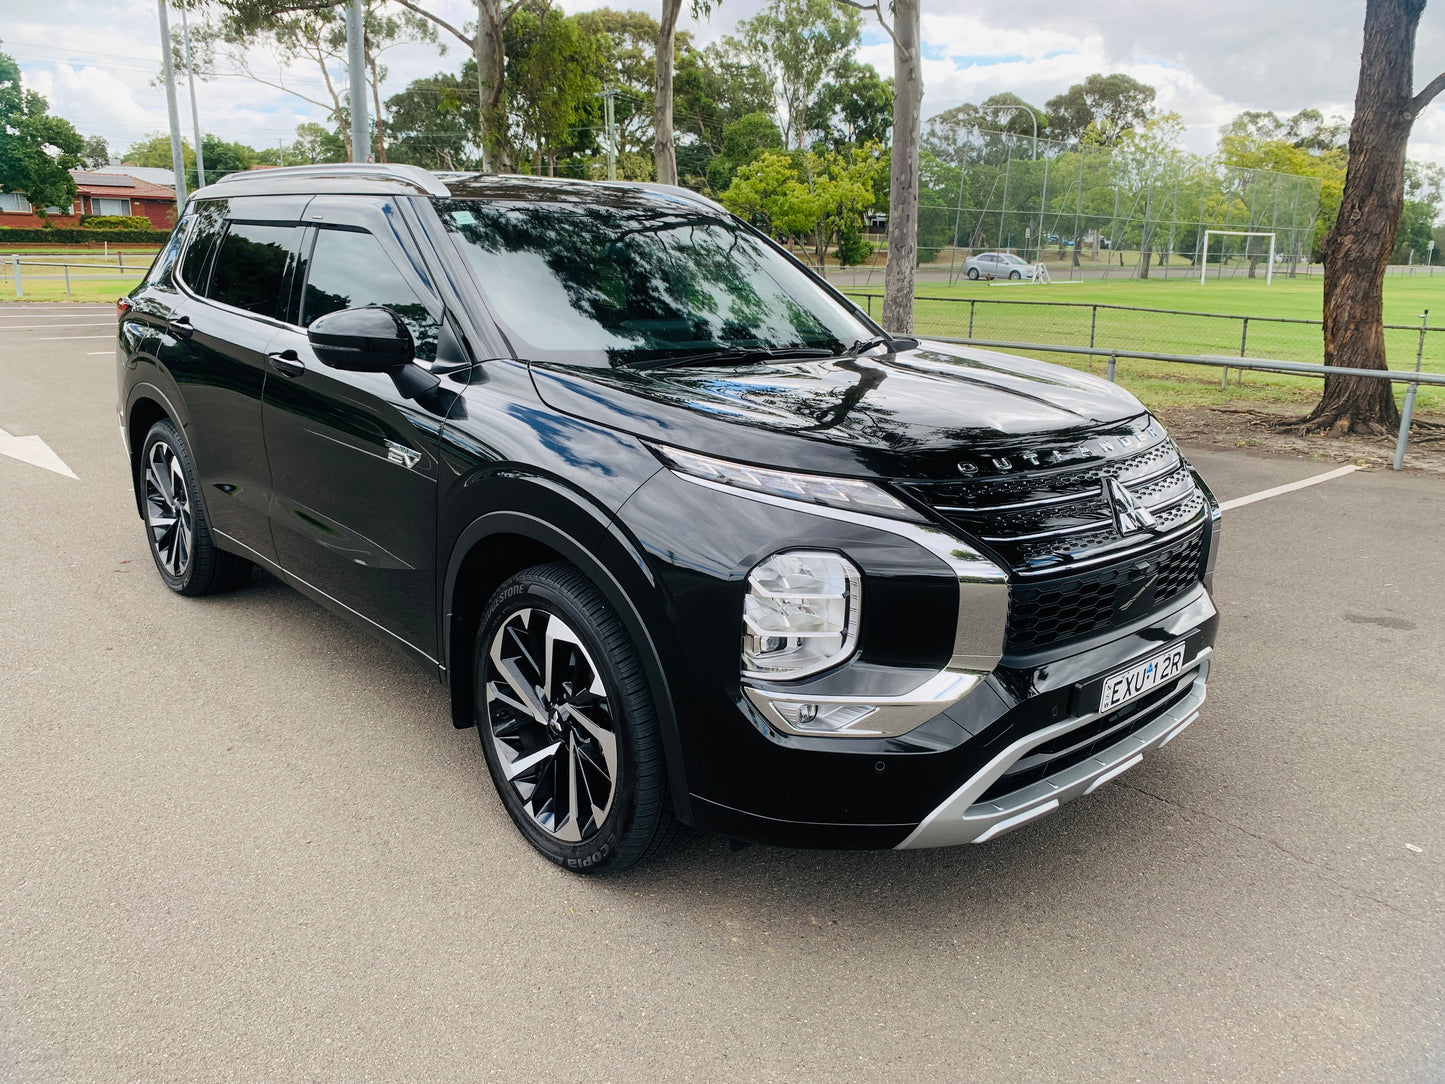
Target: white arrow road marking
(34, 451)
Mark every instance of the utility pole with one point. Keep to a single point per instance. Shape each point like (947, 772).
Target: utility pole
(178, 161)
(195, 117)
(610, 110)
(356, 76)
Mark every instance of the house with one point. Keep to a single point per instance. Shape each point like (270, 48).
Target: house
(98, 194)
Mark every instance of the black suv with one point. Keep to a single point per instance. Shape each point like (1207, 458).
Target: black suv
(687, 537)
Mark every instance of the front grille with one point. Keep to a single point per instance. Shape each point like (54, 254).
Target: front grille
(1062, 608)
(1057, 514)
(1083, 742)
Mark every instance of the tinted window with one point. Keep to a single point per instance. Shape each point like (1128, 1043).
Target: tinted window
(165, 261)
(350, 270)
(209, 221)
(640, 279)
(251, 267)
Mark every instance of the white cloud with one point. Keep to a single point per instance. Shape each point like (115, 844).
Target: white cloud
(96, 61)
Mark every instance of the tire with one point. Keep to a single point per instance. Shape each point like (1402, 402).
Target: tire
(1014, 275)
(177, 532)
(559, 739)
(973, 273)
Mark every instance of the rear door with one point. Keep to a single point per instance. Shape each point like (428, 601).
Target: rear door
(354, 463)
(237, 275)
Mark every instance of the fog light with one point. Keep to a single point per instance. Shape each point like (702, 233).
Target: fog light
(824, 718)
(800, 614)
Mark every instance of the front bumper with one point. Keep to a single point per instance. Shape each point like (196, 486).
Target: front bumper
(965, 818)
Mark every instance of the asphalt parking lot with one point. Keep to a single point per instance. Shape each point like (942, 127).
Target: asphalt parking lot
(241, 841)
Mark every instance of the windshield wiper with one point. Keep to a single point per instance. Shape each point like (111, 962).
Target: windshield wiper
(736, 355)
(894, 344)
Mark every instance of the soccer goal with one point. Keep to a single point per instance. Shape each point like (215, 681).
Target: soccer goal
(1204, 262)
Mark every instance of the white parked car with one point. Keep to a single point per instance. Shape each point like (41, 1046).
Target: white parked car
(998, 265)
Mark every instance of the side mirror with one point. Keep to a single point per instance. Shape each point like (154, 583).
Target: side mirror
(369, 340)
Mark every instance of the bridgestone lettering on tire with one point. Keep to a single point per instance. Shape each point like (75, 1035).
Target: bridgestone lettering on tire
(567, 724)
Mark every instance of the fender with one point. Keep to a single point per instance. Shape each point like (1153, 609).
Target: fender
(144, 389)
(614, 565)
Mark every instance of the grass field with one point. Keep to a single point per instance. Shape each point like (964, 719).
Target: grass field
(1004, 312)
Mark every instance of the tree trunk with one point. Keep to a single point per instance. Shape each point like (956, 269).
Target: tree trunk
(491, 55)
(664, 154)
(903, 178)
(376, 106)
(1357, 249)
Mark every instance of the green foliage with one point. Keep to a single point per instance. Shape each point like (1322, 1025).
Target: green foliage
(625, 51)
(711, 88)
(853, 247)
(12, 235)
(155, 151)
(37, 150)
(1100, 110)
(808, 195)
(554, 71)
(1305, 145)
(433, 122)
(856, 107)
(114, 222)
(96, 152)
(798, 45)
(742, 141)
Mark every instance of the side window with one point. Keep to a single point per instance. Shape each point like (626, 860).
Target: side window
(253, 264)
(350, 270)
(165, 261)
(210, 220)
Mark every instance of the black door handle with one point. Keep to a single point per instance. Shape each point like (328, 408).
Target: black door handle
(286, 363)
(181, 327)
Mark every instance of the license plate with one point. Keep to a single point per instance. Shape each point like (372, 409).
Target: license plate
(1134, 682)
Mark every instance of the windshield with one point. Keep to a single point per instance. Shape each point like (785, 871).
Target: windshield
(1011, 258)
(638, 281)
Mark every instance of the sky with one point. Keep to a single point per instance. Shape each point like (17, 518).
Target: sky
(97, 60)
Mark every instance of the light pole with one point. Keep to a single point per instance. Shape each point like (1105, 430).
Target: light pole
(178, 161)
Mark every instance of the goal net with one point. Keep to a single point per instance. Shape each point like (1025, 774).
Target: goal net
(1240, 256)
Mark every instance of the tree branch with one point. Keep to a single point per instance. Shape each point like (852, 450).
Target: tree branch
(1426, 96)
(448, 27)
(877, 9)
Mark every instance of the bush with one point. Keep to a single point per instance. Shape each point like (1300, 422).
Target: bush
(20, 235)
(115, 222)
(853, 247)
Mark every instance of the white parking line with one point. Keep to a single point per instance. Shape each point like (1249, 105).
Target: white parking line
(62, 338)
(1291, 487)
(98, 353)
(53, 327)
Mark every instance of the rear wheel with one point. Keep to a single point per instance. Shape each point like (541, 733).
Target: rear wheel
(567, 724)
(973, 272)
(180, 539)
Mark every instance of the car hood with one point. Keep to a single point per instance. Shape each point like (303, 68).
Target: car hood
(906, 415)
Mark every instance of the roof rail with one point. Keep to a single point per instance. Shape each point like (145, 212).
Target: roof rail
(414, 176)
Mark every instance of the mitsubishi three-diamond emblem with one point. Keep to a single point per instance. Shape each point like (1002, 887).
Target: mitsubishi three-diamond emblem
(1128, 511)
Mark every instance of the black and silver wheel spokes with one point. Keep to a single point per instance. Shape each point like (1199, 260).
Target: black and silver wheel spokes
(168, 512)
(551, 724)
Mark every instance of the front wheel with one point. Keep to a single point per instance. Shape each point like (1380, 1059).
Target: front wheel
(1014, 275)
(567, 724)
(973, 273)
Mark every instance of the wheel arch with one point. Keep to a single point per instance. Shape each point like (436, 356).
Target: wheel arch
(498, 544)
(145, 406)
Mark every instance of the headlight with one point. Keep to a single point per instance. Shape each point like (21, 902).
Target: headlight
(850, 493)
(800, 614)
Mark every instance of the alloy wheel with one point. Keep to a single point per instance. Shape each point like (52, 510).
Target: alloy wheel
(551, 724)
(169, 515)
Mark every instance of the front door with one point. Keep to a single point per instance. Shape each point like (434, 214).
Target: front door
(353, 462)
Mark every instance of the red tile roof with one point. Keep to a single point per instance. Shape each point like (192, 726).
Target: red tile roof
(117, 185)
